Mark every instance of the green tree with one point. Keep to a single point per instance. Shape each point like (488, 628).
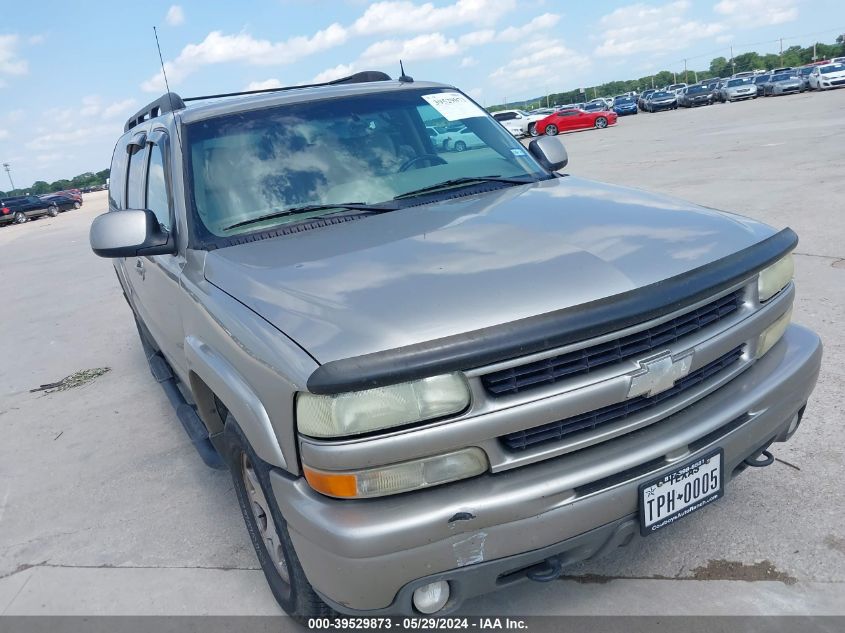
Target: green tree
(60, 185)
(39, 187)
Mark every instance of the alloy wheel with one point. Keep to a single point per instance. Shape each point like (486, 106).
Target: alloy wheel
(263, 518)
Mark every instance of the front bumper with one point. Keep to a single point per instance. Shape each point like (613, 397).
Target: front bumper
(482, 534)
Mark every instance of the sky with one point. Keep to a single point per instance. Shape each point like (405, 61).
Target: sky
(72, 72)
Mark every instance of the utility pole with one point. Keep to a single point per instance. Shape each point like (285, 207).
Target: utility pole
(733, 63)
(781, 51)
(695, 72)
(815, 57)
(652, 81)
(8, 169)
(686, 78)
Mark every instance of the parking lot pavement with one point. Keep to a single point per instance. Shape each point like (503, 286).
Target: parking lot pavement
(106, 508)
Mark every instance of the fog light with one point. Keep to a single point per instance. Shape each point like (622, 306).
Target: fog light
(773, 333)
(432, 597)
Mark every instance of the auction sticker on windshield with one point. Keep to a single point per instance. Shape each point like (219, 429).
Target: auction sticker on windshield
(681, 492)
(453, 106)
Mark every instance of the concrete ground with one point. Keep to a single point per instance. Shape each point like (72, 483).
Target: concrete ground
(105, 508)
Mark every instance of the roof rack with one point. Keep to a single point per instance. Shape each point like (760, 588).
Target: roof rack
(170, 102)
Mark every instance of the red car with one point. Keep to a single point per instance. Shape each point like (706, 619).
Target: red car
(76, 194)
(568, 120)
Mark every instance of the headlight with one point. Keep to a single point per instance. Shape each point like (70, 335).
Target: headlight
(401, 477)
(773, 333)
(381, 408)
(773, 279)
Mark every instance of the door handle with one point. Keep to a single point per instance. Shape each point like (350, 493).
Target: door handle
(139, 268)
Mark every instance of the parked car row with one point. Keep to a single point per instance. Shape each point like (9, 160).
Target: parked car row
(20, 209)
(603, 111)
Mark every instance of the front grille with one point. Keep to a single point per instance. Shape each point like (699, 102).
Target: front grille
(555, 431)
(639, 344)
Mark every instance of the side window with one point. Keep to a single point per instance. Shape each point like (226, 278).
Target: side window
(157, 200)
(117, 176)
(136, 179)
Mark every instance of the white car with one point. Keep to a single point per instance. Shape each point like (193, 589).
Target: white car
(439, 138)
(518, 122)
(827, 76)
(464, 139)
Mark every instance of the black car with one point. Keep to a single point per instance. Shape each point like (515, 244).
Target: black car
(661, 100)
(64, 202)
(696, 95)
(19, 209)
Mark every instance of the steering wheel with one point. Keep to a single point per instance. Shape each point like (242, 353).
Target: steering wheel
(434, 158)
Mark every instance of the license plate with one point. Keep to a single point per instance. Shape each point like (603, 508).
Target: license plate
(681, 492)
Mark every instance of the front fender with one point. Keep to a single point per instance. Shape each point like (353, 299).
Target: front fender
(233, 390)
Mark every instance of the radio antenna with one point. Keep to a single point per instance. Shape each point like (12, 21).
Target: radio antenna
(403, 77)
(167, 86)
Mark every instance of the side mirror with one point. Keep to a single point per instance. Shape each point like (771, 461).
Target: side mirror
(129, 233)
(549, 152)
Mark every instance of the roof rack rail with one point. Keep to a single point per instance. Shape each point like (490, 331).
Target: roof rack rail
(168, 102)
(364, 76)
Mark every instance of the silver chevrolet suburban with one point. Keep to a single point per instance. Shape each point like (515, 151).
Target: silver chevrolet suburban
(432, 373)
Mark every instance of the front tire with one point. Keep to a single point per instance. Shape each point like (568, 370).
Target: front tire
(532, 130)
(551, 130)
(53, 211)
(20, 217)
(601, 123)
(76, 205)
(268, 529)
(460, 146)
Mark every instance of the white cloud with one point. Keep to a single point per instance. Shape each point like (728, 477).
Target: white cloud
(36, 39)
(380, 18)
(638, 28)
(477, 38)
(469, 62)
(93, 107)
(406, 17)
(219, 48)
(263, 85)
(4, 134)
(330, 74)
(758, 12)
(427, 46)
(516, 33)
(531, 62)
(10, 63)
(76, 136)
(175, 15)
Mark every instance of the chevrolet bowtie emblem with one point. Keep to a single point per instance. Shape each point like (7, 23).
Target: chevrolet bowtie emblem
(658, 373)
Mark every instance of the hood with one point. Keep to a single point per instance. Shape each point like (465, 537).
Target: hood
(431, 271)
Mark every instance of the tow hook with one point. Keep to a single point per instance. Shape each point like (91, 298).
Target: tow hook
(546, 571)
(760, 459)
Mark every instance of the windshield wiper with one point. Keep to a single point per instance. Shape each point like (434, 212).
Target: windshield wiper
(467, 180)
(309, 208)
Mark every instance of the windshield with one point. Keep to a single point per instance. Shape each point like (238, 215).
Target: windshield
(833, 68)
(694, 90)
(739, 82)
(782, 77)
(367, 149)
(660, 95)
(623, 100)
(594, 107)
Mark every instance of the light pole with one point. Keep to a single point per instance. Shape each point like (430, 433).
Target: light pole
(8, 169)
